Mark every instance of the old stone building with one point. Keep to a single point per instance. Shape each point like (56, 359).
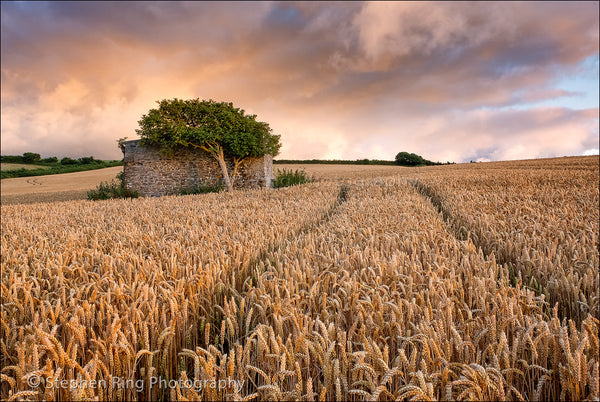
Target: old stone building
(150, 173)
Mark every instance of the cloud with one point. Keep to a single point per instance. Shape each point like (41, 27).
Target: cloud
(508, 35)
(343, 80)
(518, 134)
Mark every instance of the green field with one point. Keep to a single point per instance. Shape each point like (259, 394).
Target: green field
(15, 166)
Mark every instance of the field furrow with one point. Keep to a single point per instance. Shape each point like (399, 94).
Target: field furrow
(383, 301)
(93, 285)
(542, 223)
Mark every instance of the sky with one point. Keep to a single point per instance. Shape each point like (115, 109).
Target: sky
(450, 81)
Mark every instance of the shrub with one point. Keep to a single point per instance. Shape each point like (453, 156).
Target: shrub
(114, 189)
(68, 161)
(86, 160)
(52, 159)
(286, 178)
(11, 158)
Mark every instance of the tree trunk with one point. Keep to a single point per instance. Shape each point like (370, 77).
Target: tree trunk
(236, 165)
(223, 165)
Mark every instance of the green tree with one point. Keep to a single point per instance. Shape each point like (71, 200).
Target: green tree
(86, 160)
(216, 127)
(409, 159)
(68, 161)
(30, 157)
(52, 159)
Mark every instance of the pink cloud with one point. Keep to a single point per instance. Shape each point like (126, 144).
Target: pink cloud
(355, 80)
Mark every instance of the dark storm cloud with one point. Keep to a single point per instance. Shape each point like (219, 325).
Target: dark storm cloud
(336, 79)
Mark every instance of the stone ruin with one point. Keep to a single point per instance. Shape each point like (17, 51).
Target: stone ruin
(151, 173)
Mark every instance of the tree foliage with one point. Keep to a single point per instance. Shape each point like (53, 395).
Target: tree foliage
(31, 157)
(216, 127)
(68, 161)
(86, 160)
(410, 159)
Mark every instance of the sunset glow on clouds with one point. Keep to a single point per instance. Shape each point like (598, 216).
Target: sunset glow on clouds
(450, 81)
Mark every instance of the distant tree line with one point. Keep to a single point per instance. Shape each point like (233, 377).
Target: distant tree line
(335, 161)
(52, 165)
(35, 158)
(402, 159)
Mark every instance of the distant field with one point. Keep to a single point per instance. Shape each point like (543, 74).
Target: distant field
(15, 166)
(74, 186)
(57, 187)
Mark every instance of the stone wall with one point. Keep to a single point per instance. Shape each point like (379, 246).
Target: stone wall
(152, 174)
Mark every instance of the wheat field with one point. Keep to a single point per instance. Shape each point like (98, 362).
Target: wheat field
(464, 282)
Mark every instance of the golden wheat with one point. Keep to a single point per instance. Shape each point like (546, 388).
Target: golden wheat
(313, 292)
